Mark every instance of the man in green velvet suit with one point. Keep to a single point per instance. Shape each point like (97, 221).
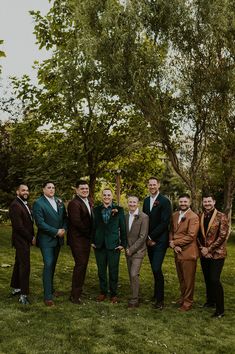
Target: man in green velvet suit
(109, 238)
(51, 219)
(158, 208)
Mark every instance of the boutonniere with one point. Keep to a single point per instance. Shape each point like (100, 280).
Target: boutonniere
(114, 212)
(59, 203)
(156, 203)
(136, 217)
(183, 219)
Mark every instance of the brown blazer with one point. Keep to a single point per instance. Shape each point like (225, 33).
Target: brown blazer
(215, 238)
(137, 235)
(79, 221)
(22, 224)
(184, 235)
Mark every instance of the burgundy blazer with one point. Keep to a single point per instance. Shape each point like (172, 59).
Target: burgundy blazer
(184, 235)
(22, 224)
(80, 221)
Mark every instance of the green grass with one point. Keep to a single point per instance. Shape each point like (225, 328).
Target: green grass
(105, 328)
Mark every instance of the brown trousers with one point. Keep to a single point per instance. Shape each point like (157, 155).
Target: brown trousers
(186, 271)
(21, 270)
(80, 254)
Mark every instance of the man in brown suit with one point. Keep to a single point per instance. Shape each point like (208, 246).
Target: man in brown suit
(22, 239)
(79, 236)
(212, 238)
(183, 240)
(137, 232)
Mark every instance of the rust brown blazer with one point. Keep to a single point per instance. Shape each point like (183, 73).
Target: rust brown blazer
(137, 235)
(184, 235)
(215, 238)
(79, 221)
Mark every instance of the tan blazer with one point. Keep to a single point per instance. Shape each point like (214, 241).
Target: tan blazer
(184, 235)
(215, 238)
(137, 235)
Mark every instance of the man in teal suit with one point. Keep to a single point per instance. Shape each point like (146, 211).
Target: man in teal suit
(158, 208)
(109, 238)
(51, 219)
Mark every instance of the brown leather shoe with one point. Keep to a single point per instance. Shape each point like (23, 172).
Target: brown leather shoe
(101, 298)
(184, 308)
(49, 303)
(114, 300)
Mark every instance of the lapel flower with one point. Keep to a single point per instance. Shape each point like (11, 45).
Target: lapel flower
(136, 217)
(59, 202)
(114, 212)
(156, 203)
(183, 219)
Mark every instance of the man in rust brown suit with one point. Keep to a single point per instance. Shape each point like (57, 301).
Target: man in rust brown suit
(79, 236)
(183, 240)
(212, 238)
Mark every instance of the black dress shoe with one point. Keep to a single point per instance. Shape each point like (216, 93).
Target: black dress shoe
(208, 304)
(158, 306)
(218, 315)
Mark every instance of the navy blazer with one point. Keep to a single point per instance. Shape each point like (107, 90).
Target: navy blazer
(159, 218)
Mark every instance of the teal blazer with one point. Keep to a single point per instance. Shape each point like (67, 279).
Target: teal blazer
(49, 221)
(112, 234)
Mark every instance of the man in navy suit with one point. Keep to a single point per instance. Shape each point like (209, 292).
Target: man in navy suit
(158, 208)
(51, 219)
(22, 239)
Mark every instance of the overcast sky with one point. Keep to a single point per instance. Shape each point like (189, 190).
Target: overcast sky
(16, 29)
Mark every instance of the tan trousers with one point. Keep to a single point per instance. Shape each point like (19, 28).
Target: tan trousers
(133, 265)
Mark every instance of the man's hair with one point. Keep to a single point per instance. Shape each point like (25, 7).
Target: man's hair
(208, 195)
(133, 196)
(107, 189)
(46, 183)
(21, 184)
(184, 195)
(153, 177)
(81, 182)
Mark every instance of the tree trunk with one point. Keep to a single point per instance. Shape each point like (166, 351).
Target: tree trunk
(92, 182)
(229, 189)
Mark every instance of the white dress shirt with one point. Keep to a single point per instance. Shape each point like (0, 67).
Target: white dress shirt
(182, 214)
(85, 200)
(52, 202)
(132, 216)
(152, 200)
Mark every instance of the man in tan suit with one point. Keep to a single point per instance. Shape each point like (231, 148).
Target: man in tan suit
(137, 230)
(183, 240)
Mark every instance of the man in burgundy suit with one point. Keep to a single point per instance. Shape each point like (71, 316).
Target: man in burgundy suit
(79, 236)
(22, 239)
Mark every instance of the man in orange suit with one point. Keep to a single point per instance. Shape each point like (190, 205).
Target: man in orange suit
(183, 240)
(212, 238)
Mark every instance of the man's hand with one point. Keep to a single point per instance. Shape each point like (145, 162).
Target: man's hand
(34, 241)
(208, 255)
(93, 245)
(171, 244)
(204, 251)
(150, 243)
(127, 252)
(61, 233)
(178, 249)
(119, 248)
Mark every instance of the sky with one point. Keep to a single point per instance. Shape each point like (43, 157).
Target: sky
(16, 29)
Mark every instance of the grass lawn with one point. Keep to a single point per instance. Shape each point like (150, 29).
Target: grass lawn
(105, 328)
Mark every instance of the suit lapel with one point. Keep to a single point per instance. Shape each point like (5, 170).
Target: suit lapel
(26, 210)
(50, 207)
